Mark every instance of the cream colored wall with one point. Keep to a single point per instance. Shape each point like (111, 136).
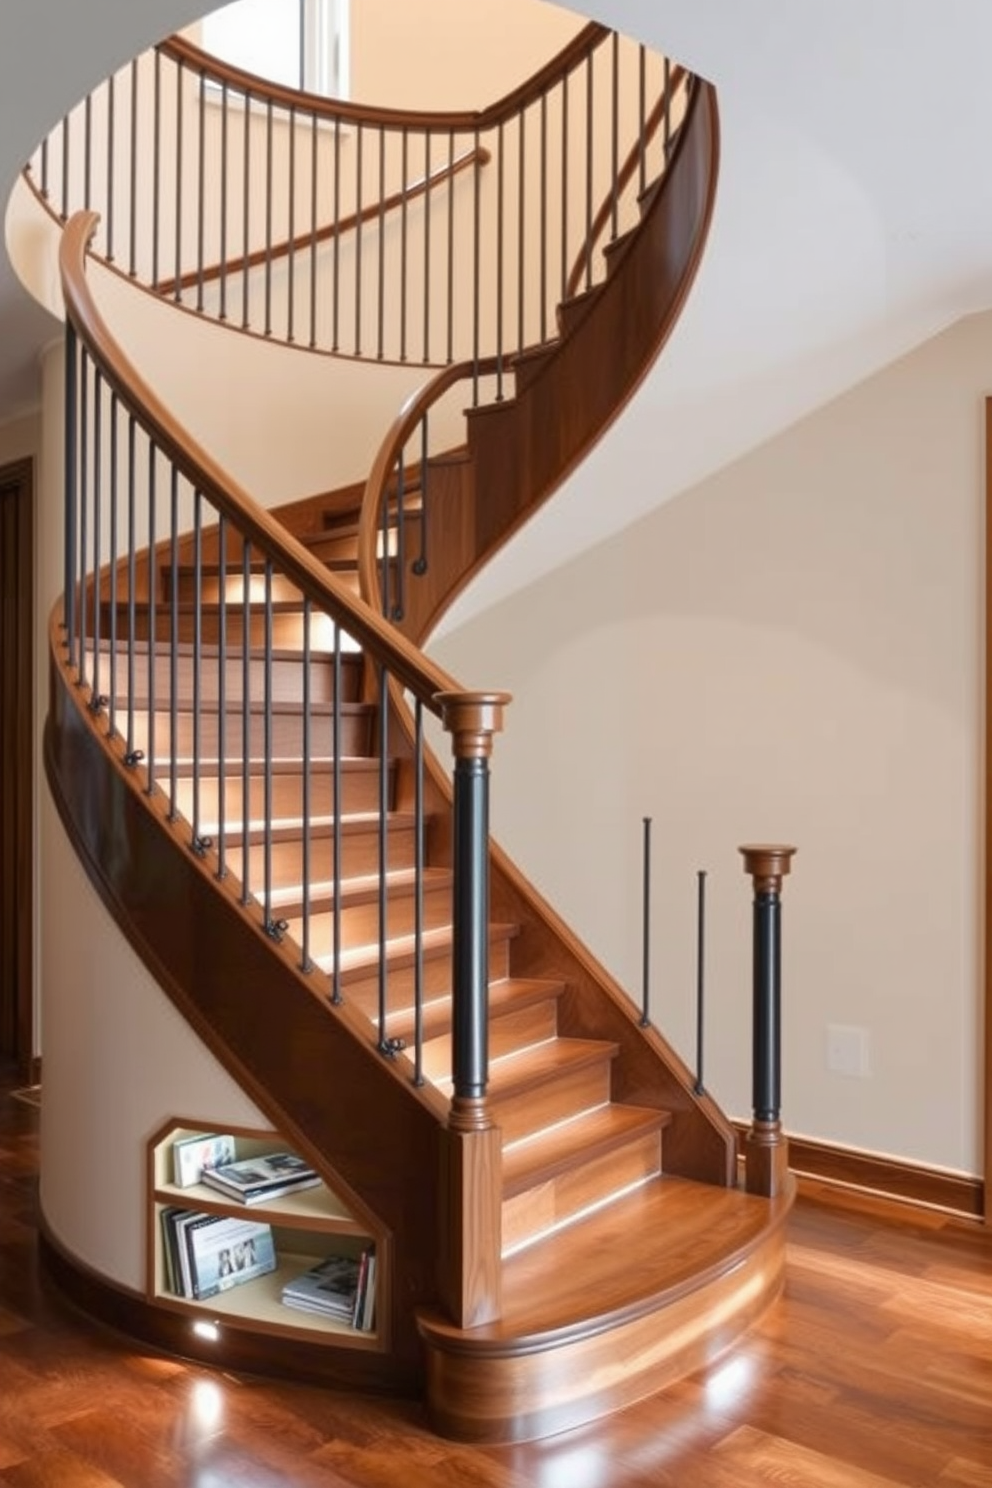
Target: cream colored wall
(792, 652)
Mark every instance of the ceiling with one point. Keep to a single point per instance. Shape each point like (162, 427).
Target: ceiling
(853, 220)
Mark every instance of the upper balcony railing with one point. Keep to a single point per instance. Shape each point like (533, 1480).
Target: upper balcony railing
(379, 233)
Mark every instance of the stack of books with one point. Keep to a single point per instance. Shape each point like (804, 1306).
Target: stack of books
(341, 1287)
(253, 1180)
(209, 1253)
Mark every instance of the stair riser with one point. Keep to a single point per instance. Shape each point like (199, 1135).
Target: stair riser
(508, 1034)
(534, 1212)
(359, 792)
(287, 678)
(363, 990)
(286, 739)
(360, 922)
(359, 855)
(559, 1099)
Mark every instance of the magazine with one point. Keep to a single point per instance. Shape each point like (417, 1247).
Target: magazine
(255, 1179)
(329, 1287)
(190, 1155)
(224, 1253)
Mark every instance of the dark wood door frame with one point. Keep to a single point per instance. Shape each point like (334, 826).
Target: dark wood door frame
(17, 765)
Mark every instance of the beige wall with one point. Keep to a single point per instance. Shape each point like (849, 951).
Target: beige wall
(791, 652)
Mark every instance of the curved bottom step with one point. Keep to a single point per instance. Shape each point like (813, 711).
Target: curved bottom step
(608, 1311)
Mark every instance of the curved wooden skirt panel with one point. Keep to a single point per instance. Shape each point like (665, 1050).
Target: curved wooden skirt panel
(672, 1309)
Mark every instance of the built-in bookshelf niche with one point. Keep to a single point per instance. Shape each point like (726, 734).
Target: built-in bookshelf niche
(227, 1262)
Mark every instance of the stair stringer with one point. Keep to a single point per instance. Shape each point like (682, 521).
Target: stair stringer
(369, 1128)
(520, 451)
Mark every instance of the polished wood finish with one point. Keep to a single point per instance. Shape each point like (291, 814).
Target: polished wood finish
(17, 763)
(767, 865)
(890, 1177)
(669, 1280)
(470, 1272)
(871, 1368)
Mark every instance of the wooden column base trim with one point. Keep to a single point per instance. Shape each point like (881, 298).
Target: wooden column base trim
(240, 1348)
(483, 1388)
(890, 1177)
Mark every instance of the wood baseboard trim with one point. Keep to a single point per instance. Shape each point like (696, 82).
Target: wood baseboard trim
(893, 1178)
(242, 1350)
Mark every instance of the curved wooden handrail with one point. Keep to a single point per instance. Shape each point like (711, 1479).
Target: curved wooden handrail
(371, 213)
(314, 581)
(651, 126)
(461, 121)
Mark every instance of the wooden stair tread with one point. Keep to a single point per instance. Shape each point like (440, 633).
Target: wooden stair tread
(291, 827)
(351, 655)
(362, 888)
(401, 950)
(531, 1067)
(589, 1135)
(636, 1256)
(508, 994)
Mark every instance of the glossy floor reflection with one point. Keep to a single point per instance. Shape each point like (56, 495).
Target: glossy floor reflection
(875, 1369)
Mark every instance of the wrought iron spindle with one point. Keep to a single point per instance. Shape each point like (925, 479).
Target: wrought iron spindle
(273, 927)
(642, 112)
(198, 842)
(404, 171)
(131, 755)
(177, 292)
(564, 187)
(590, 104)
(156, 163)
(224, 166)
(313, 229)
(646, 928)
(476, 269)
(336, 824)
(359, 143)
(387, 1045)
(418, 933)
(291, 227)
(399, 556)
(246, 873)
(88, 152)
(152, 611)
(700, 974)
(500, 226)
(306, 963)
(96, 700)
(222, 699)
(111, 161)
(246, 212)
(336, 261)
(451, 247)
(381, 284)
(133, 202)
(64, 214)
(84, 455)
(268, 214)
(173, 640)
(543, 300)
(71, 517)
(112, 665)
(428, 213)
(201, 190)
(420, 562)
(615, 137)
(522, 265)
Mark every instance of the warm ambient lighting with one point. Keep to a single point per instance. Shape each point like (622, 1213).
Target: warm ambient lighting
(208, 1404)
(207, 1330)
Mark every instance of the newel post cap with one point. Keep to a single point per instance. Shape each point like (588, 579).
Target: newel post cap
(471, 718)
(767, 864)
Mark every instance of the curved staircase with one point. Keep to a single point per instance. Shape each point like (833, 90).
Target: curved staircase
(236, 747)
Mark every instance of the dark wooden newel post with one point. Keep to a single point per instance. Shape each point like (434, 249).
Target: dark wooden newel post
(766, 1150)
(471, 1186)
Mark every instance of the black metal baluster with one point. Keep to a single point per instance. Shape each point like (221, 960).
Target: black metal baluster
(418, 934)
(615, 138)
(246, 873)
(336, 825)
(152, 611)
(246, 213)
(544, 217)
(198, 842)
(500, 227)
(96, 700)
(590, 104)
(420, 562)
(112, 664)
(476, 268)
(336, 264)
(201, 190)
(173, 641)
(381, 286)
(177, 292)
(268, 217)
(642, 114)
(132, 755)
(427, 248)
(359, 142)
(111, 160)
(313, 229)
(224, 165)
(133, 204)
(451, 246)
(291, 223)
(521, 227)
(84, 455)
(384, 541)
(399, 557)
(222, 699)
(71, 487)
(564, 186)
(273, 926)
(156, 166)
(387, 1046)
(700, 974)
(404, 169)
(306, 964)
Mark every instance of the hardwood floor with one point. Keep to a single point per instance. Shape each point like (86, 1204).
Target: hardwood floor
(874, 1370)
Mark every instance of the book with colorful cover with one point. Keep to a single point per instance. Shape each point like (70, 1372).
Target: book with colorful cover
(226, 1252)
(190, 1155)
(254, 1179)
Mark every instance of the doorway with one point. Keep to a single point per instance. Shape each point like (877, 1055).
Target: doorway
(17, 766)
